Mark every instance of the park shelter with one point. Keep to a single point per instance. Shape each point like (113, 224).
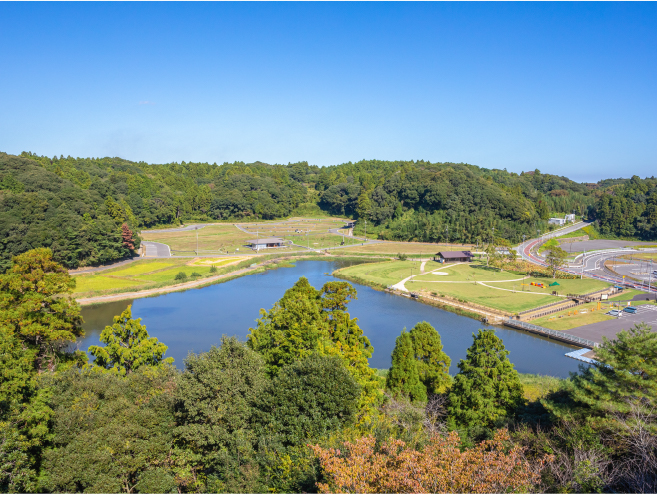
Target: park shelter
(454, 256)
(265, 243)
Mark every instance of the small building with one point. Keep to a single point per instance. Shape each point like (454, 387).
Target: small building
(265, 243)
(570, 217)
(557, 221)
(454, 256)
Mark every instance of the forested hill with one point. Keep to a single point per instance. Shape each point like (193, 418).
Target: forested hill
(628, 209)
(447, 201)
(78, 206)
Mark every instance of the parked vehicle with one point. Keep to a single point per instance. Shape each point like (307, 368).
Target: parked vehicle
(630, 310)
(614, 312)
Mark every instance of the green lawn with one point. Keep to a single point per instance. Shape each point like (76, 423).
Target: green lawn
(486, 296)
(459, 283)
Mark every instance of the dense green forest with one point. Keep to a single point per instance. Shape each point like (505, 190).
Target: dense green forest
(78, 207)
(298, 409)
(628, 209)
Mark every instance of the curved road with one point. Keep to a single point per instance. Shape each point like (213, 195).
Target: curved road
(592, 264)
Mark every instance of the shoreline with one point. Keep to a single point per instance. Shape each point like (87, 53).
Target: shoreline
(275, 263)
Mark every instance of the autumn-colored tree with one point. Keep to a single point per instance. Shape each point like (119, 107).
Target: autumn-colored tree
(487, 386)
(128, 346)
(403, 378)
(36, 307)
(442, 466)
(126, 235)
(432, 363)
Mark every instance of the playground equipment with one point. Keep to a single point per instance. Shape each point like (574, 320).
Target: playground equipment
(540, 285)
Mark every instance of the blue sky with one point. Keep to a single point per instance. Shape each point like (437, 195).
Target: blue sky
(569, 88)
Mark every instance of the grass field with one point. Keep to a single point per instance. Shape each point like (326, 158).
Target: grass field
(145, 274)
(97, 282)
(321, 240)
(502, 290)
(392, 248)
(567, 319)
(215, 238)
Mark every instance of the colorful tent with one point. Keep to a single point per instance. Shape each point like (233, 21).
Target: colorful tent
(555, 284)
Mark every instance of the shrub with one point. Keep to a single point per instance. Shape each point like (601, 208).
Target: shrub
(182, 276)
(195, 274)
(213, 269)
(402, 257)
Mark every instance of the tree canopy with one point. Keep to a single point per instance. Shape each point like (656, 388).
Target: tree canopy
(487, 386)
(128, 346)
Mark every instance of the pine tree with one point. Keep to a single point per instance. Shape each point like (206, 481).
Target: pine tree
(403, 378)
(625, 378)
(487, 386)
(128, 346)
(432, 363)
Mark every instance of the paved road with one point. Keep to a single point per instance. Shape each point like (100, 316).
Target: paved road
(609, 329)
(589, 245)
(593, 262)
(156, 249)
(180, 229)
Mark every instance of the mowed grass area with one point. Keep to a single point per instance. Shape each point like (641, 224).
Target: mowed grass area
(145, 274)
(213, 238)
(568, 319)
(293, 225)
(321, 240)
(464, 282)
(411, 248)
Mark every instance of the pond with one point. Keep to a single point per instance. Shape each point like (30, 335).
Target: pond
(194, 320)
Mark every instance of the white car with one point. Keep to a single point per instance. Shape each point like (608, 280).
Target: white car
(614, 312)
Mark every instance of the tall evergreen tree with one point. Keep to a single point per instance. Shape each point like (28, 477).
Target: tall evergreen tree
(432, 363)
(128, 346)
(627, 376)
(403, 378)
(487, 386)
(307, 321)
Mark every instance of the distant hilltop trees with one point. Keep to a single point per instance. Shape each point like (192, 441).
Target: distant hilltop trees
(89, 210)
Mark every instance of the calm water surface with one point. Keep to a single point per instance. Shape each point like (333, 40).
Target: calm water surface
(194, 320)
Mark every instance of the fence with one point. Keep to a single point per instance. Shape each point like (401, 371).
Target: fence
(551, 333)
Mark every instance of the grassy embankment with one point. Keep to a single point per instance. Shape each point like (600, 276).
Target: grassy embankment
(470, 283)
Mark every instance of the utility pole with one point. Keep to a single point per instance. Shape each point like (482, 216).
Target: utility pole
(197, 240)
(650, 279)
(581, 276)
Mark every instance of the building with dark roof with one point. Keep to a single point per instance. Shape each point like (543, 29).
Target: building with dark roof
(454, 256)
(265, 243)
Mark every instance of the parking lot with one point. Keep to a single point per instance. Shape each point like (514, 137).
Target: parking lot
(595, 332)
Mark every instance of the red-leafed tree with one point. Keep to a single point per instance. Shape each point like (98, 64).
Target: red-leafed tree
(126, 234)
